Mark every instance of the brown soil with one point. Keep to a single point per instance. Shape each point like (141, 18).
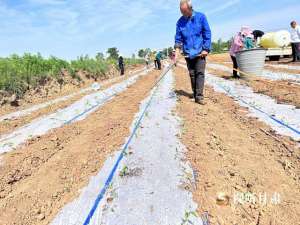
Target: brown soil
(38, 179)
(42, 96)
(52, 91)
(7, 126)
(283, 70)
(283, 91)
(224, 58)
(231, 154)
(10, 125)
(284, 61)
(219, 58)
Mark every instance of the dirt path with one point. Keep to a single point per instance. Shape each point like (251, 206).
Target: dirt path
(219, 58)
(238, 157)
(225, 60)
(266, 74)
(231, 154)
(34, 99)
(39, 179)
(7, 126)
(38, 98)
(283, 91)
(284, 70)
(151, 184)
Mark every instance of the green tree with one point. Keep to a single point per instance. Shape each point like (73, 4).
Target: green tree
(148, 51)
(170, 50)
(220, 46)
(167, 51)
(142, 53)
(100, 56)
(113, 53)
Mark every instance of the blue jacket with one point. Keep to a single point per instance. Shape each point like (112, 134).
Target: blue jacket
(193, 35)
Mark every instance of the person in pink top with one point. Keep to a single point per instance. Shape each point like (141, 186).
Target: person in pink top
(238, 45)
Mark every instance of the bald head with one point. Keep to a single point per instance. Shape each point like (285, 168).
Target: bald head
(186, 8)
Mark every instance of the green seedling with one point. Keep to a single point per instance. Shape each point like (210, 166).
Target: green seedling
(124, 171)
(187, 216)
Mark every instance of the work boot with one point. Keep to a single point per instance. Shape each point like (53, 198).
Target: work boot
(200, 101)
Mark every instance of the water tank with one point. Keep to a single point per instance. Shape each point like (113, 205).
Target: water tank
(277, 39)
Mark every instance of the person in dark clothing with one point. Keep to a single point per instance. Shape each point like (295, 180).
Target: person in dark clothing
(193, 37)
(121, 65)
(158, 60)
(296, 51)
(257, 34)
(155, 64)
(295, 40)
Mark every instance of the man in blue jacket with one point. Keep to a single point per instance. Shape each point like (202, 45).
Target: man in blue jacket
(193, 37)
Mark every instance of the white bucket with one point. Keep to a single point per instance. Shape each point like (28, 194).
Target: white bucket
(251, 61)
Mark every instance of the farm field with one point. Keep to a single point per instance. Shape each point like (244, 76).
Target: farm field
(222, 149)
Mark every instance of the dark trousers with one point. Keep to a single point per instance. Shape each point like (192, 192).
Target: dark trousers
(196, 69)
(122, 69)
(155, 64)
(235, 66)
(296, 51)
(159, 64)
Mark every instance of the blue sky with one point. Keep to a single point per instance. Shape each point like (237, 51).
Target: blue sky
(69, 28)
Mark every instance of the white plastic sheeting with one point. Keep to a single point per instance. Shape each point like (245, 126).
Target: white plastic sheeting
(94, 87)
(266, 73)
(282, 66)
(218, 67)
(245, 96)
(75, 112)
(25, 112)
(152, 190)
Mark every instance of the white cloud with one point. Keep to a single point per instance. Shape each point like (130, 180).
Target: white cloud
(74, 27)
(47, 2)
(55, 25)
(223, 7)
(270, 20)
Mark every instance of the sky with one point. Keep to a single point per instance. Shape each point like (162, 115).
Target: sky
(70, 28)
